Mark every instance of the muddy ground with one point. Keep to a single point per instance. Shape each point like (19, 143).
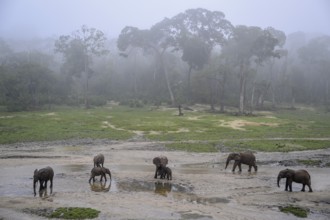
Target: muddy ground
(201, 188)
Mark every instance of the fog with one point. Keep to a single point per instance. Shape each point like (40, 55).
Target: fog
(43, 18)
(246, 54)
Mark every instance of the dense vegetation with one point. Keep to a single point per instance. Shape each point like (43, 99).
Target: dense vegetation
(197, 56)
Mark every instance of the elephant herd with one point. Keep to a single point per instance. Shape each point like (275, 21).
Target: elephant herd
(163, 172)
(298, 176)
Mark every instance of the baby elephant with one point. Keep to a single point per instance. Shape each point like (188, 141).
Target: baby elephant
(242, 158)
(98, 160)
(165, 173)
(299, 176)
(97, 171)
(43, 175)
(160, 162)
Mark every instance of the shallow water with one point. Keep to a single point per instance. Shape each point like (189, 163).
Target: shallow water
(200, 189)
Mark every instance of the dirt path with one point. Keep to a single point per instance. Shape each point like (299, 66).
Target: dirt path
(200, 189)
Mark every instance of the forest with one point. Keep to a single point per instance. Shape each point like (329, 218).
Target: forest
(196, 56)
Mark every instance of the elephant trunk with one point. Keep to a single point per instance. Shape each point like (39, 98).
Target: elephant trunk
(34, 187)
(278, 180)
(227, 162)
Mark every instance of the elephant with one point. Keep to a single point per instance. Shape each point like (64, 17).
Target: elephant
(43, 175)
(160, 162)
(98, 160)
(97, 171)
(165, 173)
(298, 176)
(242, 158)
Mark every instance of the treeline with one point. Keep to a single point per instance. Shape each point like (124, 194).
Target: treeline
(197, 56)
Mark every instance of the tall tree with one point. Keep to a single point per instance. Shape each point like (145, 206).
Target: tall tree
(249, 45)
(155, 40)
(197, 32)
(78, 50)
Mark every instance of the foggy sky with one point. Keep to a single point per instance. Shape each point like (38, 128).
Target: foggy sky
(45, 18)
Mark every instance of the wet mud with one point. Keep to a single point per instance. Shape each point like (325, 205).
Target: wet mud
(201, 188)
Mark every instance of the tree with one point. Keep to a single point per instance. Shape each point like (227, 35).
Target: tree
(154, 41)
(196, 53)
(316, 56)
(25, 86)
(78, 50)
(249, 45)
(197, 32)
(200, 26)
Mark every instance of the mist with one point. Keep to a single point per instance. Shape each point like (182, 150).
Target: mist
(250, 55)
(38, 18)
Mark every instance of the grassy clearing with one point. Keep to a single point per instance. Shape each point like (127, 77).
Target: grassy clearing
(197, 131)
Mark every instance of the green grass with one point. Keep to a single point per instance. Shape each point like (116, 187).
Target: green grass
(195, 131)
(75, 213)
(297, 211)
(193, 147)
(310, 162)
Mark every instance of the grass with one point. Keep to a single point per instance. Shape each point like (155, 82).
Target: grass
(310, 162)
(297, 211)
(197, 131)
(75, 213)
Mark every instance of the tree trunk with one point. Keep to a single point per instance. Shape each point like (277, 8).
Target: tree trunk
(252, 97)
(212, 94)
(222, 92)
(188, 86)
(293, 99)
(169, 88)
(242, 88)
(86, 85)
(272, 90)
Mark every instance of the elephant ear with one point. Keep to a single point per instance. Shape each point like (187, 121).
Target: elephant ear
(237, 157)
(35, 171)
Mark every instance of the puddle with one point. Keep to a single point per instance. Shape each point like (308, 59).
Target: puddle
(186, 215)
(76, 168)
(158, 187)
(101, 186)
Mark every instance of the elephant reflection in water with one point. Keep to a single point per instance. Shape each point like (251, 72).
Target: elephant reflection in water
(43, 193)
(163, 188)
(100, 187)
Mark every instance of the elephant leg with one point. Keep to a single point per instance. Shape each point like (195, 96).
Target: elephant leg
(290, 184)
(249, 168)
(303, 188)
(156, 173)
(235, 165)
(310, 188)
(41, 183)
(51, 186)
(286, 184)
(105, 177)
(240, 167)
(255, 168)
(46, 184)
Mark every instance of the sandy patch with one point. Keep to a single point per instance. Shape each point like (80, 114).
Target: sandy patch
(240, 124)
(3, 117)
